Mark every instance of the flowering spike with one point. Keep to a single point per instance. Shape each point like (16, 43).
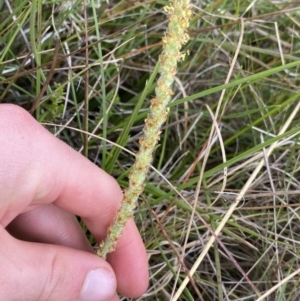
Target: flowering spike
(179, 14)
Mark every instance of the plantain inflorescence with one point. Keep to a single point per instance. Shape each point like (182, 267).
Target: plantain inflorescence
(179, 13)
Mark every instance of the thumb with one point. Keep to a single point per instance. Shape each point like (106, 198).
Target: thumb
(33, 271)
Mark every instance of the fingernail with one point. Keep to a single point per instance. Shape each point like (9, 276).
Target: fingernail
(99, 285)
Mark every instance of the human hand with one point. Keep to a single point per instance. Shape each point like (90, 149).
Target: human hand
(44, 254)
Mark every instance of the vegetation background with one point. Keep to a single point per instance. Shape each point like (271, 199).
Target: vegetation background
(87, 70)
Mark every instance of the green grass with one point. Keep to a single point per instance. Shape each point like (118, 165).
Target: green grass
(106, 90)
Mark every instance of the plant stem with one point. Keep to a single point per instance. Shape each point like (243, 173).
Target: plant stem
(179, 14)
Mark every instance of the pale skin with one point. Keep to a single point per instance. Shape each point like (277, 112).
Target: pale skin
(44, 254)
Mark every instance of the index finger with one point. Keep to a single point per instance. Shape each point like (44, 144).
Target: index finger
(97, 202)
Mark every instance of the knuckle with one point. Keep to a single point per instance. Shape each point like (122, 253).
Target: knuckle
(14, 112)
(53, 280)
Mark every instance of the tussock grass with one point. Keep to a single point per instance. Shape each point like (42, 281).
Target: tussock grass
(94, 70)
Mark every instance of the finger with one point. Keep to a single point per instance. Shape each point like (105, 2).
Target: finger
(62, 176)
(115, 298)
(128, 262)
(47, 272)
(52, 225)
